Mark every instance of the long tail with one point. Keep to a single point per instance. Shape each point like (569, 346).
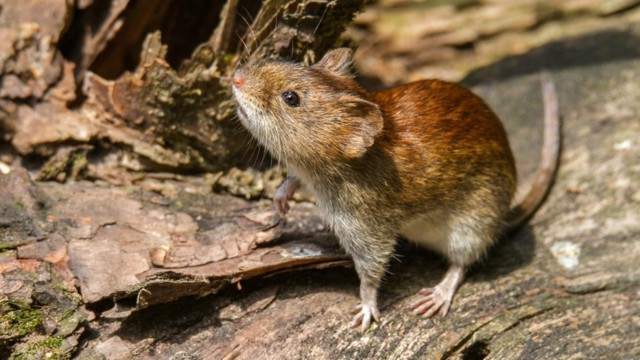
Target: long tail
(549, 159)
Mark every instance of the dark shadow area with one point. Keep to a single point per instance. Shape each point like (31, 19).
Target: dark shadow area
(246, 13)
(508, 254)
(411, 269)
(183, 26)
(590, 49)
(166, 321)
(7, 153)
(477, 351)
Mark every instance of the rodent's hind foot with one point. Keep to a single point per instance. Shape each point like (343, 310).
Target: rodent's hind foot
(437, 300)
(431, 301)
(365, 314)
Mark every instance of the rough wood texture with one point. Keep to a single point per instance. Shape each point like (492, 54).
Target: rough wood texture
(145, 88)
(141, 87)
(131, 248)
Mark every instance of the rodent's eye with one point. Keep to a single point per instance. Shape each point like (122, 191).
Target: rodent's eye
(291, 98)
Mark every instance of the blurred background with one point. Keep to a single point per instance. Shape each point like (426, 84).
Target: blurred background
(402, 41)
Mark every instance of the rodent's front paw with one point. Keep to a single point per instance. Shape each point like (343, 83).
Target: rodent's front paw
(284, 193)
(280, 202)
(364, 316)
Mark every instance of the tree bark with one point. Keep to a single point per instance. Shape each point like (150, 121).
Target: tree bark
(145, 82)
(135, 93)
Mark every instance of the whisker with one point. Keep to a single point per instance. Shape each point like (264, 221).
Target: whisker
(249, 26)
(326, 7)
(244, 45)
(250, 31)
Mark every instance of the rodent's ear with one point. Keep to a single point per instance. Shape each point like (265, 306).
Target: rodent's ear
(336, 61)
(365, 120)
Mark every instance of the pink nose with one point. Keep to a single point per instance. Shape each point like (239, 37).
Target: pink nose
(238, 80)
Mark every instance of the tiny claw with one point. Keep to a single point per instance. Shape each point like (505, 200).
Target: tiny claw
(283, 194)
(364, 317)
(430, 302)
(278, 220)
(423, 307)
(357, 320)
(366, 321)
(419, 302)
(282, 206)
(425, 291)
(356, 309)
(376, 314)
(444, 310)
(429, 313)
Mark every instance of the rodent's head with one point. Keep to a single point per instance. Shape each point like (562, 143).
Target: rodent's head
(306, 113)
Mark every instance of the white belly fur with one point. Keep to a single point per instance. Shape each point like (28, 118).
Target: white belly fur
(430, 230)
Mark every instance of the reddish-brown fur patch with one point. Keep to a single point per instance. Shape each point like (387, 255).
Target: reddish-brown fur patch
(444, 141)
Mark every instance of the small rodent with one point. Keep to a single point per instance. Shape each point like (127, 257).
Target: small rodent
(428, 160)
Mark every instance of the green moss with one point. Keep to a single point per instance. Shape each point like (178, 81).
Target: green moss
(228, 58)
(73, 297)
(5, 246)
(17, 320)
(78, 163)
(49, 348)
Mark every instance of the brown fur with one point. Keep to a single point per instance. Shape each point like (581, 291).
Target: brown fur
(429, 151)
(445, 142)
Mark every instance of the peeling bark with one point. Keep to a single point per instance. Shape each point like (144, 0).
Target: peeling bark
(133, 93)
(172, 111)
(403, 41)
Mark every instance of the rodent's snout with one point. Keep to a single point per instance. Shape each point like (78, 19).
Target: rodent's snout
(238, 78)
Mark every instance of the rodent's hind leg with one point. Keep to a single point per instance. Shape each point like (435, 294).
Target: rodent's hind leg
(371, 248)
(367, 310)
(438, 298)
(469, 238)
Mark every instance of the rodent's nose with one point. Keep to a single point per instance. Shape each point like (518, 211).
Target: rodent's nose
(238, 79)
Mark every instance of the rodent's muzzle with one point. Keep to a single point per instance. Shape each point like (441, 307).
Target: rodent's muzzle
(238, 78)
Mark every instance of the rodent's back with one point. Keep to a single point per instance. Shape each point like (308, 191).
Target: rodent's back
(445, 142)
